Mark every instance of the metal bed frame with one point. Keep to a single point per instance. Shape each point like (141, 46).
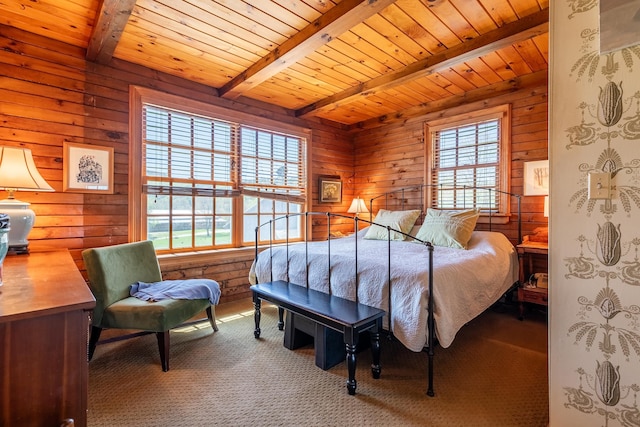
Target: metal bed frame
(431, 339)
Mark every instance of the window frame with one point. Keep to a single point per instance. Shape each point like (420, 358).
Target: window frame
(502, 113)
(138, 97)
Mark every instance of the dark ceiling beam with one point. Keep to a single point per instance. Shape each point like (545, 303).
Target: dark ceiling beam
(527, 81)
(513, 32)
(109, 24)
(336, 21)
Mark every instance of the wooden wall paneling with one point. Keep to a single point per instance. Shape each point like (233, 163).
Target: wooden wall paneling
(48, 105)
(53, 95)
(529, 114)
(392, 156)
(332, 154)
(389, 157)
(231, 274)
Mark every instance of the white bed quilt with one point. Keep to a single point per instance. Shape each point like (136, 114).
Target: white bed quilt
(466, 282)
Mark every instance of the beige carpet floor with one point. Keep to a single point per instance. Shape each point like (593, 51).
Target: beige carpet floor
(494, 374)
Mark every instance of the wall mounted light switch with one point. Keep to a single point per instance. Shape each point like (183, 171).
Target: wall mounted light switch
(599, 186)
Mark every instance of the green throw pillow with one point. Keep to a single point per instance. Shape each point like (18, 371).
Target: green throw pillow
(399, 220)
(448, 228)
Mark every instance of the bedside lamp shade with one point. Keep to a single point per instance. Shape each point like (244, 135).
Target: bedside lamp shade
(358, 206)
(18, 172)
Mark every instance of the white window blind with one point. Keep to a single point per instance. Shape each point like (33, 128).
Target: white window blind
(271, 163)
(186, 155)
(208, 182)
(469, 161)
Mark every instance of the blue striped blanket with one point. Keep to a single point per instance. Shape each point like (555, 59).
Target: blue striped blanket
(177, 289)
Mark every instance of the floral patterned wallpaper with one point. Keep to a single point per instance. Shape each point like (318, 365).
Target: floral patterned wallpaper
(595, 270)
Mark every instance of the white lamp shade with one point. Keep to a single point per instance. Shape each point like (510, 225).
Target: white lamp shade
(18, 171)
(358, 206)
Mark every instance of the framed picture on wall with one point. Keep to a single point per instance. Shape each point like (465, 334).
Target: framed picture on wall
(536, 178)
(330, 189)
(87, 168)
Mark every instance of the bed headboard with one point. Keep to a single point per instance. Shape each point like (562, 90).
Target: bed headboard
(419, 197)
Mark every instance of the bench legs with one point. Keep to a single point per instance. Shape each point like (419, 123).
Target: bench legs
(256, 316)
(280, 318)
(351, 343)
(375, 351)
(351, 368)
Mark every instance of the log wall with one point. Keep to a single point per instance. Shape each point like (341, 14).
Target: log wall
(49, 94)
(393, 156)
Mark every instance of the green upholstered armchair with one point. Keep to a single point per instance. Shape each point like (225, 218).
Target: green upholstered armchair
(112, 270)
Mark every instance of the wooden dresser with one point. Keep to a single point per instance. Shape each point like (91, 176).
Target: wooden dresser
(45, 308)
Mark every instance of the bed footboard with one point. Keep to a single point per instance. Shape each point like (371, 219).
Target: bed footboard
(273, 243)
(264, 238)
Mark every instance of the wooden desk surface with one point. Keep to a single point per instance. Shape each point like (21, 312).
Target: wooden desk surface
(533, 245)
(42, 283)
(541, 248)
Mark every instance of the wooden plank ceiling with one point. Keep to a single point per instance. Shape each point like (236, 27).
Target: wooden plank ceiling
(354, 62)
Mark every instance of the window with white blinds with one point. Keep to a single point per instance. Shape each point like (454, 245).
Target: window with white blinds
(207, 182)
(272, 178)
(469, 162)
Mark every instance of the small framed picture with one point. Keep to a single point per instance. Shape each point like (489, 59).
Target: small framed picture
(536, 178)
(87, 168)
(330, 189)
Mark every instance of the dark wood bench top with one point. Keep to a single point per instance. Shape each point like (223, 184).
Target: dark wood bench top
(343, 315)
(332, 311)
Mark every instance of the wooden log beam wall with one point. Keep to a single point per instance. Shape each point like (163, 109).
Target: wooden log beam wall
(393, 156)
(51, 94)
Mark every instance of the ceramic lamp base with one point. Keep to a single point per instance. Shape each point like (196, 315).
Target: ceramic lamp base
(21, 220)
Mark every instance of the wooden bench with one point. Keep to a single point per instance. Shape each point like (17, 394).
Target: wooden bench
(340, 314)
(328, 344)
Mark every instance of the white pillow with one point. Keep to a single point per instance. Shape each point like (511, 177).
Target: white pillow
(448, 228)
(398, 220)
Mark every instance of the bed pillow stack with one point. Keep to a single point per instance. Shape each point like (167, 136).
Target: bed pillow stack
(399, 220)
(448, 228)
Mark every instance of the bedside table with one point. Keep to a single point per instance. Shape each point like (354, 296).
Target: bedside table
(339, 234)
(526, 253)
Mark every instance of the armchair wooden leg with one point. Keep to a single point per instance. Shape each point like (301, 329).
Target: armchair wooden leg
(93, 340)
(212, 317)
(163, 346)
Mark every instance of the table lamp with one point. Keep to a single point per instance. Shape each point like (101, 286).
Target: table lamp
(18, 172)
(358, 206)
